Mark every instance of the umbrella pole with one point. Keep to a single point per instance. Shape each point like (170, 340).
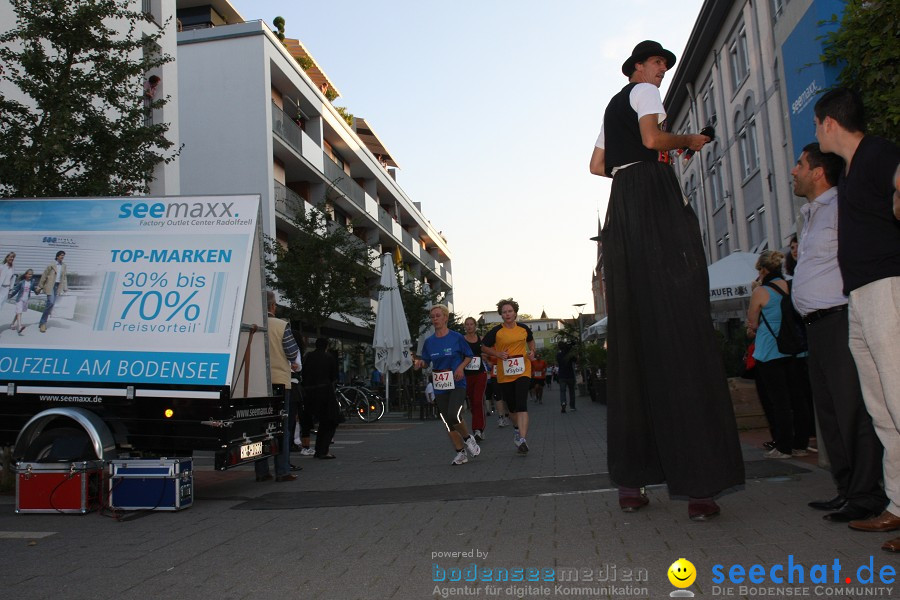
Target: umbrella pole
(387, 391)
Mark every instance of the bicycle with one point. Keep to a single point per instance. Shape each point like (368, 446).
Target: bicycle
(362, 402)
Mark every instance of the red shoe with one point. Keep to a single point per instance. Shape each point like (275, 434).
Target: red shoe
(702, 509)
(632, 499)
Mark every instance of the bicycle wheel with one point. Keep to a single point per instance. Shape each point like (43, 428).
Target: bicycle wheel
(376, 407)
(366, 409)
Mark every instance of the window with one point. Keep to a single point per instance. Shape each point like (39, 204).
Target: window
(716, 182)
(777, 9)
(740, 59)
(709, 104)
(754, 229)
(748, 151)
(690, 190)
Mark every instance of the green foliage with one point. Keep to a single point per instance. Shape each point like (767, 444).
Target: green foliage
(866, 45)
(305, 62)
(330, 94)
(81, 129)
(568, 333)
(454, 323)
(416, 299)
(595, 358)
(322, 270)
(278, 22)
(345, 114)
(548, 353)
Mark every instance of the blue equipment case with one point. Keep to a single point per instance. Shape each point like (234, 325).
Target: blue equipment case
(151, 484)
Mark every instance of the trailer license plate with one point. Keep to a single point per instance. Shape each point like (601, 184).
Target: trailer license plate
(251, 450)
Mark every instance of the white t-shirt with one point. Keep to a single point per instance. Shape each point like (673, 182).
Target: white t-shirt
(645, 100)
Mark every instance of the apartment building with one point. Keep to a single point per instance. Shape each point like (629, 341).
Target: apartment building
(161, 15)
(751, 68)
(253, 120)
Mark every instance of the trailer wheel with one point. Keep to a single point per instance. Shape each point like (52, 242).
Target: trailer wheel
(63, 444)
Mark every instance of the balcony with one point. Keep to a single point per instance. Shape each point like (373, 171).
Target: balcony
(286, 129)
(344, 183)
(287, 201)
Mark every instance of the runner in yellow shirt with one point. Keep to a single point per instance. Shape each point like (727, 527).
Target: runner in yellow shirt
(512, 344)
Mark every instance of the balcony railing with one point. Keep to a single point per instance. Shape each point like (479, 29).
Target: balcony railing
(344, 183)
(286, 129)
(287, 201)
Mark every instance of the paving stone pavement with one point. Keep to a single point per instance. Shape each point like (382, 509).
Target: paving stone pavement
(390, 518)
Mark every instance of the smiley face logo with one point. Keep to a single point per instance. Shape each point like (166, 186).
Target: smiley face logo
(682, 573)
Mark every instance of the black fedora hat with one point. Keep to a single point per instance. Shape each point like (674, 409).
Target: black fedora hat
(645, 50)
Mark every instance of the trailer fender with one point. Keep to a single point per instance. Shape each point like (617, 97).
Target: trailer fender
(101, 437)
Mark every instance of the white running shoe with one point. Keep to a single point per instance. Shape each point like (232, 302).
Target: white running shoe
(473, 447)
(460, 459)
(307, 452)
(774, 453)
(502, 421)
(516, 438)
(478, 435)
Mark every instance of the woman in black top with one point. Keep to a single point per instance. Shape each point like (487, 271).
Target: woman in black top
(476, 379)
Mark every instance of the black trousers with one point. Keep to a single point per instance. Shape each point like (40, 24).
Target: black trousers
(327, 428)
(853, 447)
(790, 411)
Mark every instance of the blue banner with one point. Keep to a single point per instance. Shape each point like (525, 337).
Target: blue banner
(106, 366)
(805, 75)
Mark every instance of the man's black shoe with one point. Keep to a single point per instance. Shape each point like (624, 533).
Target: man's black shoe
(296, 468)
(848, 513)
(836, 503)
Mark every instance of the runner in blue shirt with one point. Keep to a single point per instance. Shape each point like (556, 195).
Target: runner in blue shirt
(448, 354)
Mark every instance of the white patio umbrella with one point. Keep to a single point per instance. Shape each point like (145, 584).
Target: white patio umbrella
(392, 342)
(731, 276)
(595, 331)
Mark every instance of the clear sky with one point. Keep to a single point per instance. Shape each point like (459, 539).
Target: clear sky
(491, 109)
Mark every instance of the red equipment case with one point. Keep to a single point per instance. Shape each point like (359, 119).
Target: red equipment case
(58, 487)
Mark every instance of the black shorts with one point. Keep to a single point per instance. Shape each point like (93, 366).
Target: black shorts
(515, 394)
(450, 406)
(537, 383)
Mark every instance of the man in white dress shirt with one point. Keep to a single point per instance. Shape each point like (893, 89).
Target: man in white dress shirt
(846, 427)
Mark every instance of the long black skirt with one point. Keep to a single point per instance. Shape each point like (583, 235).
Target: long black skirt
(670, 417)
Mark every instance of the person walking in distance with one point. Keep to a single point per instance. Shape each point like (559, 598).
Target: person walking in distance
(846, 428)
(448, 353)
(869, 258)
(668, 419)
(512, 344)
(54, 282)
(284, 358)
(538, 377)
(565, 363)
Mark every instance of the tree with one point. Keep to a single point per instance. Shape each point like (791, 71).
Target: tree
(866, 45)
(278, 22)
(81, 129)
(322, 269)
(416, 299)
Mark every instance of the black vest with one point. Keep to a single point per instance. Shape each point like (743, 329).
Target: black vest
(623, 134)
